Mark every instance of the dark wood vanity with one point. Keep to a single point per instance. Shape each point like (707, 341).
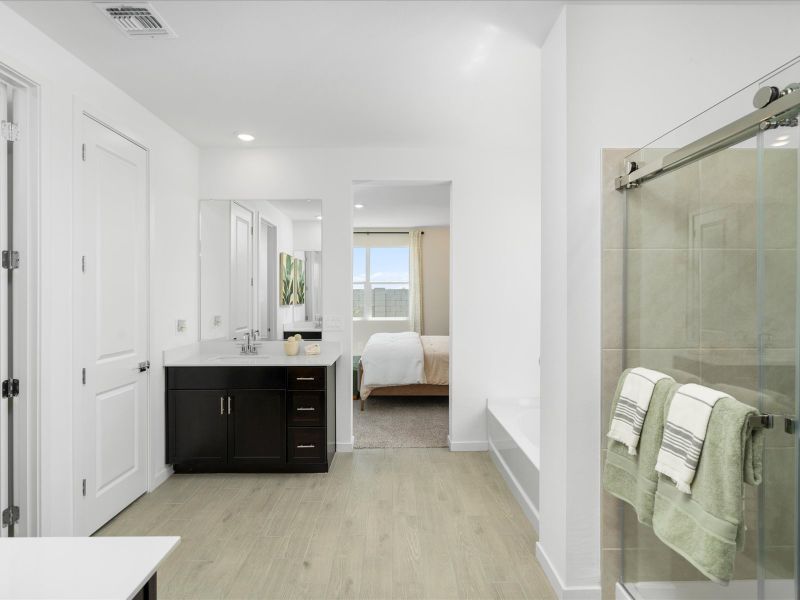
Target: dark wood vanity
(251, 418)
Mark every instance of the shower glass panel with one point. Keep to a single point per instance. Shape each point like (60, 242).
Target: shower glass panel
(710, 264)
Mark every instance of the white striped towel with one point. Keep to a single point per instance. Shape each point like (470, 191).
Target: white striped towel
(685, 432)
(631, 406)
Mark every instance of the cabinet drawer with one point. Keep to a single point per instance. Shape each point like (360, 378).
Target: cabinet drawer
(306, 378)
(306, 408)
(209, 378)
(306, 445)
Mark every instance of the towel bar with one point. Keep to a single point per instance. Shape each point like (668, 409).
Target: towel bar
(762, 421)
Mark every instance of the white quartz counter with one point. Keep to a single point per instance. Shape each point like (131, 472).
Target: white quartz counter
(270, 354)
(75, 567)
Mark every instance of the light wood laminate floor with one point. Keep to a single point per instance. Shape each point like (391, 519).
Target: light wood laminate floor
(393, 523)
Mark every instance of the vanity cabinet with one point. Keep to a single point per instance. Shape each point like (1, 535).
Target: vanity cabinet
(251, 419)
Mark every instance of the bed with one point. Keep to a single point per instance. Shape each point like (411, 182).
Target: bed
(404, 364)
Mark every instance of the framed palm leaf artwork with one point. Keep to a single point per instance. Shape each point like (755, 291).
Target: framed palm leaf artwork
(299, 281)
(286, 266)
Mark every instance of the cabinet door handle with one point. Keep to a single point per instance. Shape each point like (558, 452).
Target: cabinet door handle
(299, 408)
(229, 405)
(221, 405)
(306, 446)
(305, 378)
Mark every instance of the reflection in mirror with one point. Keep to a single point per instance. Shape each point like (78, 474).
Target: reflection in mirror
(260, 269)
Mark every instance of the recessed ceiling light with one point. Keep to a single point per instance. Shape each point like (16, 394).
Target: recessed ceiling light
(319, 217)
(777, 144)
(782, 137)
(246, 137)
(359, 205)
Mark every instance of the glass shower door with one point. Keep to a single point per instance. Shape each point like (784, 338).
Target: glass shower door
(777, 199)
(710, 297)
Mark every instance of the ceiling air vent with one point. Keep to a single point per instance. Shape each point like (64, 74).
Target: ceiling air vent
(136, 19)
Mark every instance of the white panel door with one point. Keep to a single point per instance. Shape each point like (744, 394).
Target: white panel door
(241, 270)
(111, 416)
(3, 310)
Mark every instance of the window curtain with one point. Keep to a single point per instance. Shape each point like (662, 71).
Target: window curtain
(415, 275)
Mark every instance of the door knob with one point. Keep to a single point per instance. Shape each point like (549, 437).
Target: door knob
(144, 366)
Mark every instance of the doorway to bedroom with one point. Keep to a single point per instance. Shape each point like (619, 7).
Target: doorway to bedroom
(401, 313)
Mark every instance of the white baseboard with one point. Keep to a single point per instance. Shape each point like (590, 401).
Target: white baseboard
(620, 593)
(340, 447)
(587, 592)
(477, 446)
(528, 507)
(160, 478)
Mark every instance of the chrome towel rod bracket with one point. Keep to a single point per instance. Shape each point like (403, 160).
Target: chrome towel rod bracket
(762, 421)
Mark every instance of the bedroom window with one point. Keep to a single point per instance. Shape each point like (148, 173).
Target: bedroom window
(381, 282)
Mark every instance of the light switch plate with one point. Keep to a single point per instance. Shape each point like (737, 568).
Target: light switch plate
(181, 326)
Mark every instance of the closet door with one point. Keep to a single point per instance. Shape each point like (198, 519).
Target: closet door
(241, 270)
(111, 326)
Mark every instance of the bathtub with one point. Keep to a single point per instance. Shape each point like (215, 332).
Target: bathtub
(513, 427)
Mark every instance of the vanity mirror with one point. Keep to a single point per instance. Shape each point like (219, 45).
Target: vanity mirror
(260, 269)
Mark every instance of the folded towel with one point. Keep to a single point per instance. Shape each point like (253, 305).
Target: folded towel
(708, 527)
(684, 432)
(633, 478)
(630, 405)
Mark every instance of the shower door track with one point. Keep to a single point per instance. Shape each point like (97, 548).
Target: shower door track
(780, 112)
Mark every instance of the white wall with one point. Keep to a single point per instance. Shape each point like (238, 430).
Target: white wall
(633, 71)
(494, 213)
(436, 280)
(215, 268)
(308, 235)
(66, 84)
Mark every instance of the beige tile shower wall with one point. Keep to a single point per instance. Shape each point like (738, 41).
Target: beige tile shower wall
(692, 312)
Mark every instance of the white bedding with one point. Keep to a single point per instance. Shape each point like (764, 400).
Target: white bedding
(393, 359)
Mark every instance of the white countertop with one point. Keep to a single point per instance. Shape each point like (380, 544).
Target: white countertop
(77, 567)
(270, 354)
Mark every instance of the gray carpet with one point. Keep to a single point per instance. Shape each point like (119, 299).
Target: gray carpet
(401, 422)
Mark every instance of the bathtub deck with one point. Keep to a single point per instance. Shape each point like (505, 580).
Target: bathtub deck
(423, 523)
(513, 428)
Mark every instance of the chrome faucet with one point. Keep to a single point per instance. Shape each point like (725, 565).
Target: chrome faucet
(248, 347)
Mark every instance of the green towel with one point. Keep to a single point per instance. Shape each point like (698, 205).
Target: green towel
(634, 478)
(707, 527)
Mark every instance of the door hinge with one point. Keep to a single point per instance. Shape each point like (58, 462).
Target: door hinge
(83, 487)
(83, 264)
(83, 376)
(83, 152)
(10, 259)
(10, 388)
(251, 282)
(10, 516)
(9, 131)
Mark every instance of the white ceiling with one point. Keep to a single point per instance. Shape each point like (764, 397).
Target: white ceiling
(397, 73)
(299, 210)
(401, 204)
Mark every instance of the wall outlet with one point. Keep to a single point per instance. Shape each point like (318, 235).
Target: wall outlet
(181, 325)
